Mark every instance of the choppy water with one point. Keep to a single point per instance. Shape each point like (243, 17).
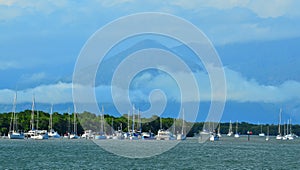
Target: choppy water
(228, 153)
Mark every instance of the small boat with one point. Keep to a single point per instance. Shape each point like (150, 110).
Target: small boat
(148, 136)
(230, 132)
(36, 133)
(88, 134)
(13, 129)
(236, 135)
(219, 131)
(101, 135)
(261, 134)
(74, 134)
(164, 135)
(52, 133)
(279, 136)
(213, 137)
(268, 131)
(182, 135)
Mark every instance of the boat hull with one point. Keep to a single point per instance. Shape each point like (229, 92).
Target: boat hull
(16, 136)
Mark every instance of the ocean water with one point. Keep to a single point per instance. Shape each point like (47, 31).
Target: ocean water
(228, 153)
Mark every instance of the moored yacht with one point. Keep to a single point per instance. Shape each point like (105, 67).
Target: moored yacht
(164, 135)
(13, 128)
(236, 135)
(52, 133)
(230, 132)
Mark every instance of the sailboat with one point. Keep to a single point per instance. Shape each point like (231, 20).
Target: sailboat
(74, 134)
(182, 135)
(52, 133)
(261, 134)
(236, 135)
(101, 134)
(279, 137)
(36, 133)
(219, 131)
(289, 134)
(268, 131)
(13, 129)
(230, 132)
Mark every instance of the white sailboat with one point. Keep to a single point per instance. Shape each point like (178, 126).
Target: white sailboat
(52, 133)
(74, 134)
(219, 131)
(289, 134)
(261, 134)
(164, 134)
(230, 132)
(13, 129)
(268, 131)
(36, 133)
(101, 134)
(236, 135)
(182, 135)
(279, 136)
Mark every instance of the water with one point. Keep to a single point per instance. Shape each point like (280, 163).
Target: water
(228, 153)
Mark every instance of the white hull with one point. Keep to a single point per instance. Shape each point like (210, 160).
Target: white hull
(180, 137)
(72, 136)
(279, 137)
(40, 137)
(261, 135)
(236, 135)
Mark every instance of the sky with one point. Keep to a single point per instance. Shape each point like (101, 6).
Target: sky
(257, 42)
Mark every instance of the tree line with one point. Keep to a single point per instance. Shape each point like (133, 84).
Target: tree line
(64, 123)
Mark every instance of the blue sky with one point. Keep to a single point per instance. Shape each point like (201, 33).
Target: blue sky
(257, 42)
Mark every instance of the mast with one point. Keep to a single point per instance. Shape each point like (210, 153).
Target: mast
(183, 126)
(236, 128)
(132, 118)
(160, 121)
(174, 125)
(69, 123)
(50, 120)
(32, 114)
(75, 125)
(128, 126)
(102, 119)
(37, 120)
(279, 123)
(290, 126)
(230, 128)
(112, 126)
(13, 116)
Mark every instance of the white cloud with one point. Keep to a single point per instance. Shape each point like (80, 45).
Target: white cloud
(4, 65)
(263, 9)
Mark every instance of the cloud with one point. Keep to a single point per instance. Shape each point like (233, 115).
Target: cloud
(263, 9)
(53, 93)
(4, 65)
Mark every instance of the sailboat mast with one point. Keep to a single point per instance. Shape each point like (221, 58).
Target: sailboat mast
(32, 114)
(236, 128)
(102, 121)
(13, 115)
(75, 125)
(279, 123)
(290, 126)
(133, 118)
(182, 128)
(37, 120)
(50, 120)
(174, 125)
(128, 123)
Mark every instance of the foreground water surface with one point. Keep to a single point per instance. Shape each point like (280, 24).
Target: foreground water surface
(228, 153)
